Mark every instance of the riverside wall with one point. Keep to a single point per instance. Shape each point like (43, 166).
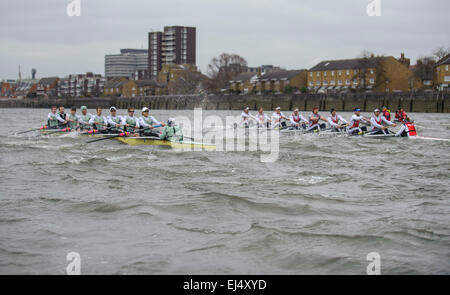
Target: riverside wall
(428, 102)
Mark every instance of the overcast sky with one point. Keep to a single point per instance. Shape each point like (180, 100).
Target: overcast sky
(293, 34)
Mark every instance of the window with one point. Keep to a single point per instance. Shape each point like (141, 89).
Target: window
(347, 82)
(447, 78)
(318, 74)
(355, 81)
(332, 82)
(310, 74)
(348, 72)
(339, 82)
(446, 68)
(332, 73)
(311, 83)
(340, 73)
(325, 74)
(325, 82)
(318, 82)
(372, 81)
(371, 71)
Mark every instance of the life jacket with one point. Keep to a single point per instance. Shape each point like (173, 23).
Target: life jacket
(387, 115)
(132, 122)
(377, 121)
(296, 118)
(85, 118)
(52, 122)
(99, 119)
(355, 124)
(313, 123)
(335, 119)
(115, 119)
(147, 120)
(73, 124)
(63, 116)
(411, 129)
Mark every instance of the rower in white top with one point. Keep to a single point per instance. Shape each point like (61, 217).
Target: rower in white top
(262, 120)
(245, 118)
(277, 117)
(377, 121)
(147, 123)
(98, 121)
(354, 125)
(337, 123)
(296, 120)
(314, 119)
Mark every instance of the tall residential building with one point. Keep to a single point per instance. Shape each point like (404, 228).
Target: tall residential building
(176, 45)
(129, 63)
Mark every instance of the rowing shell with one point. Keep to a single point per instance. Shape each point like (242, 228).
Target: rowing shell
(160, 142)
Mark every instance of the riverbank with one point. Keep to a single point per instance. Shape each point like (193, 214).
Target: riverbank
(411, 102)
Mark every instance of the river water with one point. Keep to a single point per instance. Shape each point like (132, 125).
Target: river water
(319, 209)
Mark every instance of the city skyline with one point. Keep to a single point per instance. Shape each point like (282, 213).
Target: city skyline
(297, 35)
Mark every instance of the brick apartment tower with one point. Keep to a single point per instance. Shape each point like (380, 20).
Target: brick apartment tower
(176, 45)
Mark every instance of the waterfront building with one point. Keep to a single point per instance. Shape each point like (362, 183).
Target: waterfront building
(442, 79)
(130, 63)
(176, 45)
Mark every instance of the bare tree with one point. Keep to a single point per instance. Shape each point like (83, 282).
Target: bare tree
(424, 69)
(187, 83)
(367, 62)
(224, 68)
(441, 52)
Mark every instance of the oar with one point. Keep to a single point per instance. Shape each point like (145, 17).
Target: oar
(35, 129)
(109, 137)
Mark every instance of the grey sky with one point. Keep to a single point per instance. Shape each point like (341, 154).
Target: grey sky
(289, 33)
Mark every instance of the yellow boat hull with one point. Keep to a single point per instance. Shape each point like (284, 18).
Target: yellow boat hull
(172, 144)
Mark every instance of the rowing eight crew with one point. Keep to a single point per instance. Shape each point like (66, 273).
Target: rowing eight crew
(379, 122)
(113, 124)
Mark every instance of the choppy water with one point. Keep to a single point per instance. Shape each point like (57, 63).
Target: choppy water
(320, 209)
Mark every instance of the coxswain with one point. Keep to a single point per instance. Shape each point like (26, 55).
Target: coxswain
(408, 129)
(52, 119)
(386, 113)
(114, 121)
(400, 115)
(377, 121)
(314, 119)
(84, 119)
(262, 120)
(354, 125)
(99, 122)
(61, 117)
(148, 123)
(130, 122)
(336, 121)
(171, 131)
(277, 116)
(296, 120)
(72, 119)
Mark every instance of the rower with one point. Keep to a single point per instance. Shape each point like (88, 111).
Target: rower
(99, 122)
(262, 120)
(52, 120)
(334, 120)
(314, 119)
(386, 113)
(72, 119)
(400, 115)
(277, 117)
(296, 119)
(61, 117)
(114, 121)
(171, 131)
(408, 129)
(84, 119)
(377, 120)
(245, 116)
(355, 121)
(130, 122)
(146, 123)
